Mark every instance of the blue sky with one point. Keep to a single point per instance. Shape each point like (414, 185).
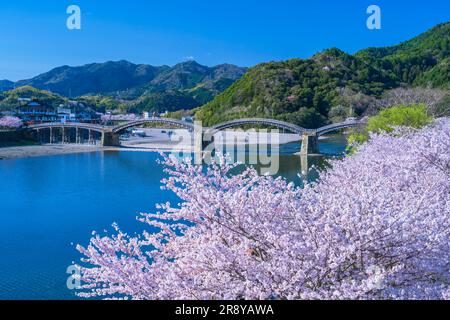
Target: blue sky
(34, 37)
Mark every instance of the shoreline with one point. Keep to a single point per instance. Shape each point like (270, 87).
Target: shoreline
(21, 152)
(160, 145)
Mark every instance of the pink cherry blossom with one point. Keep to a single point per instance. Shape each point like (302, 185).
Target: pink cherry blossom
(118, 117)
(10, 122)
(373, 226)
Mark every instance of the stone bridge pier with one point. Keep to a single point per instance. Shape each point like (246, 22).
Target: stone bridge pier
(110, 139)
(310, 143)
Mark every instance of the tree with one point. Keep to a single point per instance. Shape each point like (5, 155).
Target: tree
(375, 226)
(413, 116)
(431, 98)
(10, 122)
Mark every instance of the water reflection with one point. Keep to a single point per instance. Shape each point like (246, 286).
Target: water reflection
(296, 168)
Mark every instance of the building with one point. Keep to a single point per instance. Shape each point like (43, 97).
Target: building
(34, 112)
(24, 101)
(66, 115)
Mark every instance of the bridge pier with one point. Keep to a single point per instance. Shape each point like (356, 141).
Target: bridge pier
(198, 145)
(310, 144)
(90, 139)
(39, 136)
(304, 166)
(77, 136)
(110, 139)
(51, 139)
(63, 135)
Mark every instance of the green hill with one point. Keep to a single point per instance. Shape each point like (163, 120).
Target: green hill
(9, 99)
(309, 91)
(423, 60)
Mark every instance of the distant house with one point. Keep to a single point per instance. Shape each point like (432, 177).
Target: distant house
(65, 114)
(24, 101)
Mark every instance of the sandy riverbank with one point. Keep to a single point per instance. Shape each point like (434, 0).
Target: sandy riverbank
(45, 150)
(7, 153)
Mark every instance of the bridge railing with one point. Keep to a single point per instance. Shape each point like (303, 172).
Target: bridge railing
(88, 126)
(179, 123)
(174, 122)
(341, 125)
(259, 121)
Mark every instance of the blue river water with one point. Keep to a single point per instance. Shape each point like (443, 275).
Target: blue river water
(50, 204)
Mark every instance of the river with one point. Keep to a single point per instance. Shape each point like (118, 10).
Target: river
(50, 204)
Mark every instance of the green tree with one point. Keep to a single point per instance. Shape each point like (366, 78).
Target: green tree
(414, 116)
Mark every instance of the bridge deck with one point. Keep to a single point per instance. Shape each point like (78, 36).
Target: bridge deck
(87, 126)
(222, 126)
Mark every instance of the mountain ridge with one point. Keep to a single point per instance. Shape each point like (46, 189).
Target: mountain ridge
(115, 76)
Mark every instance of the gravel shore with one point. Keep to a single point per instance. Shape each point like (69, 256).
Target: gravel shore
(44, 150)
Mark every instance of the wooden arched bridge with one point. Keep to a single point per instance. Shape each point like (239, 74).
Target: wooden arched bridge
(109, 135)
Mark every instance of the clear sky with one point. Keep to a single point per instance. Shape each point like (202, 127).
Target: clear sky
(34, 36)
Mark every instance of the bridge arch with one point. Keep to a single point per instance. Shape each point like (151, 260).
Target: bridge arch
(177, 123)
(86, 126)
(259, 121)
(64, 133)
(338, 126)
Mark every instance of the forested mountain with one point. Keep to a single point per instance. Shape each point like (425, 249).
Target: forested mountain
(310, 91)
(424, 60)
(95, 78)
(6, 85)
(136, 87)
(185, 86)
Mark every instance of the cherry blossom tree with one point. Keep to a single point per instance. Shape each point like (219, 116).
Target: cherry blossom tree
(374, 226)
(118, 117)
(10, 122)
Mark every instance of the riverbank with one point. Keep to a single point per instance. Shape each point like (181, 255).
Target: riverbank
(45, 150)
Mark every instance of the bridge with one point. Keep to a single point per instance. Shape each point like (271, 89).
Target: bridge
(109, 135)
(259, 122)
(172, 122)
(82, 133)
